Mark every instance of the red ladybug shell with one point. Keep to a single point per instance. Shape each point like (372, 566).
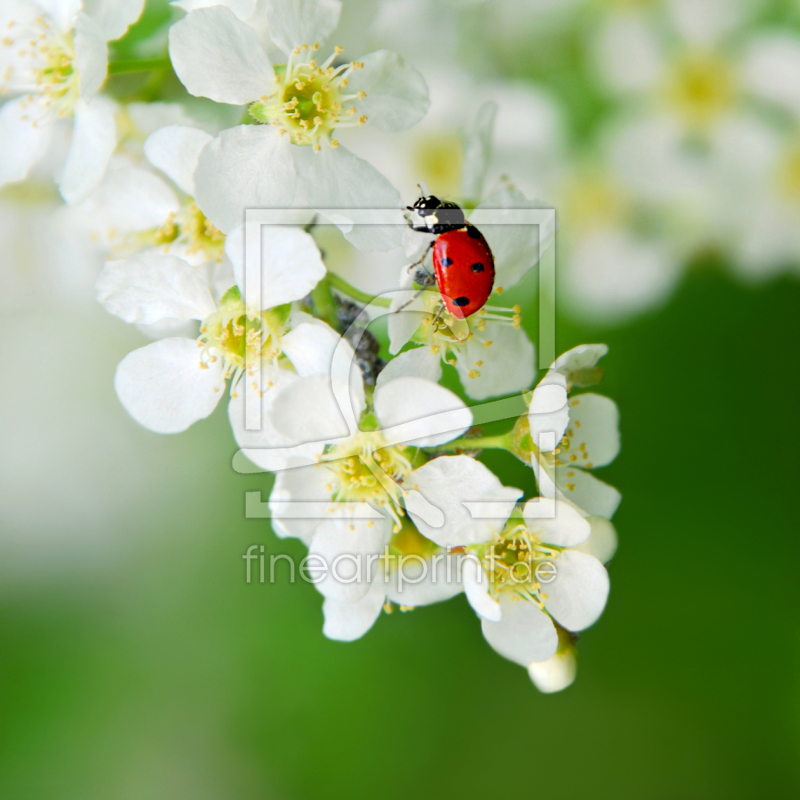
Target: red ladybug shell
(464, 268)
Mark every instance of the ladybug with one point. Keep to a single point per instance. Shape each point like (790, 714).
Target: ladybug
(462, 260)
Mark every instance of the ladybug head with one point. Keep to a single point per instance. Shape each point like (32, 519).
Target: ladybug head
(437, 216)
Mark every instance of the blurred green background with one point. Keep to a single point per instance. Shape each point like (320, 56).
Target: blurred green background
(139, 664)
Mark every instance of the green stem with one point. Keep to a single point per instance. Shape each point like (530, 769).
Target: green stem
(501, 442)
(324, 304)
(341, 285)
(126, 65)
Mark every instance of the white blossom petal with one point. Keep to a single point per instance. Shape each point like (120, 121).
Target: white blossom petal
(346, 622)
(476, 588)
(582, 357)
(403, 324)
(150, 287)
(577, 595)
(94, 138)
(507, 366)
(244, 9)
(91, 55)
(164, 388)
(420, 413)
(556, 522)
(516, 248)
(114, 18)
(307, 411)
(293, 488)
(548, 416)
(478, 151)
(524, 633)
(24, 143)
(397, 95)
(602, 543)
(555, 673)
(174, 150)
(771, 68)
(296, 22)
(250, 166)
(131, 199)
(310, 347)
(419, 362)
(290, 264)
(448, 483)
(587, 492)
(592, 433)
(424, 580)
(218, 56)
(348, 546)
(334, 178)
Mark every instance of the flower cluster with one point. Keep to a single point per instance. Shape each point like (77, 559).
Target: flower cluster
(344, 373)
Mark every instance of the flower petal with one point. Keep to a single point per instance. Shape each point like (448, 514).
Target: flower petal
(262, 444)
(555, 673)
(516, 248)
(424, 580)
(349, 547)
(150, 287)
(293, 488)
(548, 416)
(310, 347)
(419, 362)
(218, 56)
(91, 55)
(346, 622)
(577, 595)
(114, 18)
(175, 150)
(24, 143)
(307, 411)
(572, 363)
(131, 199)
(478, 151)
(289, 262)
(524, 633)
(397, 95)
(334, 178)
(507, 366)
(244, 9)
(771, 68)
(592, 433)
(590, 494)
(249, 166)
(602, 543)
(164, 388)
(296, 22)
(557, 522)
(94, 138)
(476, 588)
(420, 413)
(449, 483)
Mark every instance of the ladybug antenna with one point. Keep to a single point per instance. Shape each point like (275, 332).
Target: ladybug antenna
(423, 188)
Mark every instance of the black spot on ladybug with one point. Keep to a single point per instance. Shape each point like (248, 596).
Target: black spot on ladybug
(477, 267)
(446, 262)
(461, 301)
(474, 232)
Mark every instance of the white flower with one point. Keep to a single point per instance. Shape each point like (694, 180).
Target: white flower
(302, 102)
(490, 351)
(528, 575)
(693, 88)
(574, 433)
(413, 571)
(53, 60)
(357, 484)
(170, 384)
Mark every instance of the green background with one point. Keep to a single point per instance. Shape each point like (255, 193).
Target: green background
(155, 671)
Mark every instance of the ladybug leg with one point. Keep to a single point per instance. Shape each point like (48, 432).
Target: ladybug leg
(421, 259)
(410, 299)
